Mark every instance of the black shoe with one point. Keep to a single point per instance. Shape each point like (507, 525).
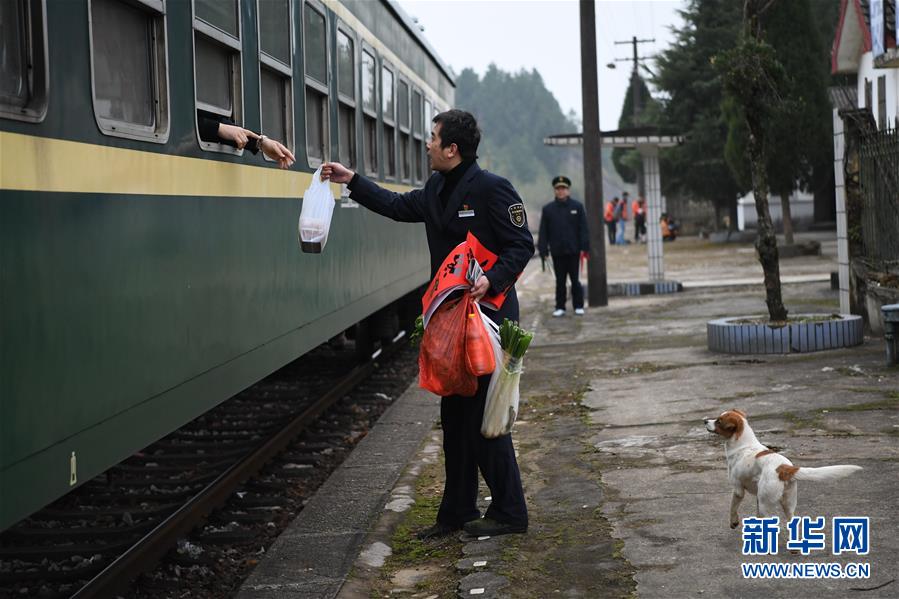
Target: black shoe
(488, 527)
(436, 531)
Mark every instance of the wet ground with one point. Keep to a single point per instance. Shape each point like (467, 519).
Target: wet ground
(627, 492)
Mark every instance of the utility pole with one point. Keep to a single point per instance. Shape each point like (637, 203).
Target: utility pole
(635, 100)
(597, 282)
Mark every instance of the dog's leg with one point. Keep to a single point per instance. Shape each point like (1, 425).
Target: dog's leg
(734, 504)
(788, 500)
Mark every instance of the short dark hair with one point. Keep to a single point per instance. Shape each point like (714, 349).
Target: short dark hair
(460, 128)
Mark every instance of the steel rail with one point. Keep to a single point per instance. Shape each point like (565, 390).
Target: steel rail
(144, 554)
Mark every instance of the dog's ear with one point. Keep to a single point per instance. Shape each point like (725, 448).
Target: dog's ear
(740, 412)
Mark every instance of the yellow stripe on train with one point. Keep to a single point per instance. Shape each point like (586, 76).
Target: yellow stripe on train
(29, 163)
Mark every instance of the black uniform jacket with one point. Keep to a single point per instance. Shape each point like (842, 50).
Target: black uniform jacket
(483, 203)
(563, 228)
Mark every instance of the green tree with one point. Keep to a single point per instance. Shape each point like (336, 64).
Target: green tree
(798, 133)
(692, 94)
(628, 162)
(756, 84)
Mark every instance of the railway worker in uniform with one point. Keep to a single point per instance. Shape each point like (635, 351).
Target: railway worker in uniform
(563, 233)
(460, 197)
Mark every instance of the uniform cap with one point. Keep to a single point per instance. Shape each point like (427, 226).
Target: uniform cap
(561, 181)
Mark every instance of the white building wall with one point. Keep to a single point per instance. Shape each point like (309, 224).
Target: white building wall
(867, 71)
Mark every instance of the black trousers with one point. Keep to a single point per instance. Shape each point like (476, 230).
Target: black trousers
(639, 226)
(613, 229)
(567, 267)
(466, 451)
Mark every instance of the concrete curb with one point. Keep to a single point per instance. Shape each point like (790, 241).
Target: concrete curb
(727, 335)
(314, 555)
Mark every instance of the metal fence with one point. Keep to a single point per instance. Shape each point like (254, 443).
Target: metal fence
(879, 179)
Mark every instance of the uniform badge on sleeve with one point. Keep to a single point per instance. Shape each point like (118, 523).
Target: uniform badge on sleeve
(516, 214)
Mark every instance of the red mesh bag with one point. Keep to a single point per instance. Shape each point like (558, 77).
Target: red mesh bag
(479, 358)
(441, 362)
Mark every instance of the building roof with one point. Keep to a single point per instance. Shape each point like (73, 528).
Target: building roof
(853, 37)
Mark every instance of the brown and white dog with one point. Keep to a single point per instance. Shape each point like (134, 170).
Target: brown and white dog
(761, 471)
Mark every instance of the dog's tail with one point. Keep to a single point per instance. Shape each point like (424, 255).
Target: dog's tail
(825, 473)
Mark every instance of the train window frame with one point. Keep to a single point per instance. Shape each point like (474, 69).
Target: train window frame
(36, 76)
(310, 83)
(404, 132)
(389, 122)
(417, 151)
(235, 46)
(268, 62)
(346, 101)
(370, 116)
(427, 113)
(159, 78)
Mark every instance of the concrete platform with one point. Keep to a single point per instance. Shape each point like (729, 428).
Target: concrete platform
(627, 492)
(314, 555)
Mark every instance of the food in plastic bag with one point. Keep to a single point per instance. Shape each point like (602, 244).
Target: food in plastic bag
(479, 357)
(315, 216)
(501, 405)
(441, 359)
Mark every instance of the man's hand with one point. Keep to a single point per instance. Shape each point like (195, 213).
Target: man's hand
(336, 172)
(480, 288)
(585, 255)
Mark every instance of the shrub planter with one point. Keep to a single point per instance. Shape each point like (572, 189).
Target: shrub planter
(800, 334)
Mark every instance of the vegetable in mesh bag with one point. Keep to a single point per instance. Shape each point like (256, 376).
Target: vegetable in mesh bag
(510, 342)
(441, 359)
(479, 356)
(315, 216)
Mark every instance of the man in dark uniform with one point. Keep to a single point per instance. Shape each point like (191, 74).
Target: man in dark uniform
(460, 197)
(563, 233)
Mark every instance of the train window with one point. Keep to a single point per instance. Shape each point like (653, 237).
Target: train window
(417, 143)
(316, 63)
(369, 114)
(222, 14)
(427, 135)
(218, 84)
(275, 70)
(388, 106)
(346, 93)
(402, 108)
(23, 66)
(129, 69)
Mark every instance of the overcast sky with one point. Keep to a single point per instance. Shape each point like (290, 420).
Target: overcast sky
(545, 34)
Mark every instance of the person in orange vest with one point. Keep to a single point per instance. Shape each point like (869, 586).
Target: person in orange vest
(609, 217)
(639, 210)
(621, 219)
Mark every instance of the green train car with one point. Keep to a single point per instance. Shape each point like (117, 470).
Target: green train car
(148, 275)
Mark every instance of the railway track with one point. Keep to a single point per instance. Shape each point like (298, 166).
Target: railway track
(189, 515)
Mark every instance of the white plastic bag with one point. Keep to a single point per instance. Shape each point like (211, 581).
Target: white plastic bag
(315, 217)
(501, 405)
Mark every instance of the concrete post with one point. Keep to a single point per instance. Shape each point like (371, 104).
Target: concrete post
(839, 148)
(650, 154)
(891, 332)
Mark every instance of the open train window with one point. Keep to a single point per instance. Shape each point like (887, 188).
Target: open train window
(369, 113)
(315, 40)
(417, 143)
(428, 115)
(129, 68)
(23, 68)
(276, 69)
(388, 116)
(218, 85)
(402, 117)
